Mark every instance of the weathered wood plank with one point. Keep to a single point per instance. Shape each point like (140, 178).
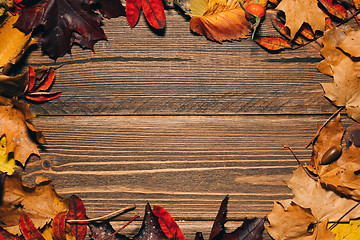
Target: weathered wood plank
(138, 72)
(185, 164)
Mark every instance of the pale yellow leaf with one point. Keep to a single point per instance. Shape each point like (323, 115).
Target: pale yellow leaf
(7, 165)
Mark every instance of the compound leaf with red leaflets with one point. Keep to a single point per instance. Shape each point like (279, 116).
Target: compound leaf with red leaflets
(168, 224)
(77, 211)
(29, 230)
(273, 43)
(133, 8)
(335, 8)
(58, 226)
(5, 235)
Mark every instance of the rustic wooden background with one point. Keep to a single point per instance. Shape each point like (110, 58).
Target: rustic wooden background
(173, 119)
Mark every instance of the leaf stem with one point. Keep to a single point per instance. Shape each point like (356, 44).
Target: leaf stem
(135, 217)
(105, 217)
(324, 125)
(337, 222)
(302, 166)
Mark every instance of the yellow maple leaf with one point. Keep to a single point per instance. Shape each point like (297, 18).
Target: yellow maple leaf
(299, 11)
(219, 20)
(7, 164)
(348, 231)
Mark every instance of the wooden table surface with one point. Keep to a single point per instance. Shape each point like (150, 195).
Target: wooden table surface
(179, 121)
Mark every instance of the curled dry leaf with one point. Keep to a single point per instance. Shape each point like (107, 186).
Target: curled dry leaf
(299, 11)
(13, 43)
(219, 20)
(15, 124)
(344, 90)
(41, 203)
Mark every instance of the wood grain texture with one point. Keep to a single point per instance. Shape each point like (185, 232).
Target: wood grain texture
(185, 164)
(139, 72)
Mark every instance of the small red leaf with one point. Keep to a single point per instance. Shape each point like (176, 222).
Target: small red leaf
(168, 224)
(133, 8)
(47, 82)
(29, 230)
(328, 23)
(32, 78)
(5, 235)
(307, 32)
(58, 226)
(281, 28)
(334, 8)
(273, 43)
(154, 13)
(42, 96)
(77, 211)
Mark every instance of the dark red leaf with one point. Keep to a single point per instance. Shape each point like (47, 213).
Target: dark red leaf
(77, 211)
(42, 96)
(101, 230)
(133, 8)
(273, 43)
(29, 230)
(150, 228)
(334, 8)
(168, 224)
(57, 20)
(5, 235)
(154, 13)
(112, 8)
(249, 230)
(58, 226)
(199, 236)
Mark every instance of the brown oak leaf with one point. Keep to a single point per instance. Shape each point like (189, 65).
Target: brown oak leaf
(299, 11)
(15, 124)
(41, 203)
(219, 20)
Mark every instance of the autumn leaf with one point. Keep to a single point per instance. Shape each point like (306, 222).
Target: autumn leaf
(111, 8)
(103, 229)
(292, 221)
(352, 136)
(7, 163)
(153, 11)
(348, 231)
(41, 203)
(273, 43)
(334, 8)
(13, 43)
(168, 224)
(60, 23)
(58, 226)
(5, 235)
(219, 20)
(77, 211)
(150, 228)
(298, 12)
(15, 124)
(29, 230)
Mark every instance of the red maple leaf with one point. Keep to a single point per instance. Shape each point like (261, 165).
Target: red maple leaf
(60, 23)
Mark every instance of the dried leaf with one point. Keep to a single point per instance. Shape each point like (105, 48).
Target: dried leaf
(273, 43)
(77, 211)
(29, 230)
(150, 228)
(58, 226)
(168, 224)
(56, 21)
(13, 43)
(291, 222)
(5, 235)
(352, 135)
(351, 43)
(41, 203)
(103, 229)
(325, 204)
(7, 163)
(15, 124)
(221, 20)
(281, 28)
(349, 231)
(299, 11)
(111, 8)
(307, 32)
(334, 8)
